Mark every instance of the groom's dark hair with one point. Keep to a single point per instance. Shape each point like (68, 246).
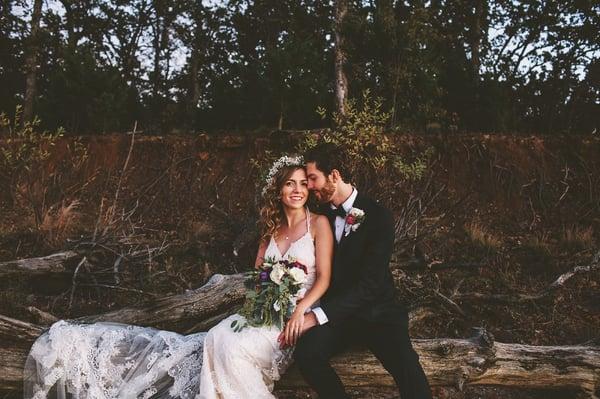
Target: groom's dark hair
(327, 157)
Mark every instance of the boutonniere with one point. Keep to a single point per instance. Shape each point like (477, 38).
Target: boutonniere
(353, 220)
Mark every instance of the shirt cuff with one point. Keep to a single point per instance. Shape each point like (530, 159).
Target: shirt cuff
(320, 315)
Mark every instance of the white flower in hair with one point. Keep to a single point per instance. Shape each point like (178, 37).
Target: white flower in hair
(277, 165)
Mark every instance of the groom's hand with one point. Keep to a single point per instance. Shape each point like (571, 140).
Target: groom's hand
(310, 320)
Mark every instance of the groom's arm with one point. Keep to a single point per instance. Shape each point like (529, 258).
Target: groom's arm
(373, 272)
(310, 321)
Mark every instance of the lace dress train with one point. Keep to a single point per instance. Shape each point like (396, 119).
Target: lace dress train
(109, 360)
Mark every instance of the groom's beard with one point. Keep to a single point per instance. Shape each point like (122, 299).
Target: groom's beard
(324, 194)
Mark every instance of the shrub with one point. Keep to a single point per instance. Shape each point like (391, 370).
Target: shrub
(361, 133)
(24, 145)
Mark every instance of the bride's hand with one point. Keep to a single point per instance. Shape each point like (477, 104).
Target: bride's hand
(293, 328)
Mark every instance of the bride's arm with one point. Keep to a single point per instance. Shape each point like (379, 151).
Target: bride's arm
(323, 257)
(260, 256)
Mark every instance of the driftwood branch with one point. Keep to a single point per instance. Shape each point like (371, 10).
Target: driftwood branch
(40, 317)
(55, 263)
(447, 362)
(593, 266)
(559, 282)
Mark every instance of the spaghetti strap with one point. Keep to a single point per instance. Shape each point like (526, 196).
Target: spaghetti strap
(307, 220)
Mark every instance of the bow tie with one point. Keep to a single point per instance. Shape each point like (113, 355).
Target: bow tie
(339, 211)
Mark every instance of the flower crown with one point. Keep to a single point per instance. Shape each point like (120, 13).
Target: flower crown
(277, 165)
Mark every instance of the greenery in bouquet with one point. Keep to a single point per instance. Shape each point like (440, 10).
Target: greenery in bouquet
(272, 291)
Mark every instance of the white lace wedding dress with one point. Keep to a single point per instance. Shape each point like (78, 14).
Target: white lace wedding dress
(109, 360)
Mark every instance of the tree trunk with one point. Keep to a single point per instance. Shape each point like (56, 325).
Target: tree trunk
(388, 51)
(194, 89)
(31, 62)
(447, 362)
(281, 112)
(156, 78)
(476, 36)
(341, 83)
(6, 17)
(72, 38)
(198, 44)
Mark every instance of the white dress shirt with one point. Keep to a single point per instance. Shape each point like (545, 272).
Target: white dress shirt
(340, 224)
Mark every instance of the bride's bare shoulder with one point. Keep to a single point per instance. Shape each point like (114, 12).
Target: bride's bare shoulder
(319, 224)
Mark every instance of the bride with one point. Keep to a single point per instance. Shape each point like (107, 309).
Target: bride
(109, 360)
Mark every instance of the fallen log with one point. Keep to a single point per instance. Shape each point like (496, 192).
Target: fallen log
(447, 362)
(18, 332)
(478, 361)
(11, 368)
(16, 338)
(56, 263)
(62, 263)
(214, 300)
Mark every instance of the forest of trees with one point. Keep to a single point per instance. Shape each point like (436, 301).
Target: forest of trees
(96, 66)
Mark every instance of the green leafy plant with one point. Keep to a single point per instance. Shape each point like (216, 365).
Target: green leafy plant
(24, 168)
(361, 132)
(24, 145)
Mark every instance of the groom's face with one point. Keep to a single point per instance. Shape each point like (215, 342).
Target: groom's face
(319, 185)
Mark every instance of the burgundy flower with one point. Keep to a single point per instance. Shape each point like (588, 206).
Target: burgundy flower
(299, 266)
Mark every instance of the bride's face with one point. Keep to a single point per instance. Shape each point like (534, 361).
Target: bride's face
(294, 192)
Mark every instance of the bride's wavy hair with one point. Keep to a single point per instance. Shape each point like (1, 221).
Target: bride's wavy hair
(271, 213)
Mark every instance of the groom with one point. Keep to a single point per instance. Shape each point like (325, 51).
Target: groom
(360, 306)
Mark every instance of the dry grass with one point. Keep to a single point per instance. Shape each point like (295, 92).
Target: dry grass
(60, 222)
(577, 238)
(480, 237)
(538, 245)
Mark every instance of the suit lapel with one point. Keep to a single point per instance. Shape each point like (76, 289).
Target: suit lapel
(345, 238)
(331, 219)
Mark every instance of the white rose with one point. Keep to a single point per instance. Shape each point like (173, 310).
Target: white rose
(357, 213)
(298, 275)
(277, 274)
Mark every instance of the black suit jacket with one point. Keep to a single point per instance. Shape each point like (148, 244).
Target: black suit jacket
(361, 286)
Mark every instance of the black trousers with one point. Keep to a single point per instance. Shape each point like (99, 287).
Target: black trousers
(390, 343)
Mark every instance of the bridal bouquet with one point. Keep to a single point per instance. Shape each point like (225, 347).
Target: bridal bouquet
(272, 291)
